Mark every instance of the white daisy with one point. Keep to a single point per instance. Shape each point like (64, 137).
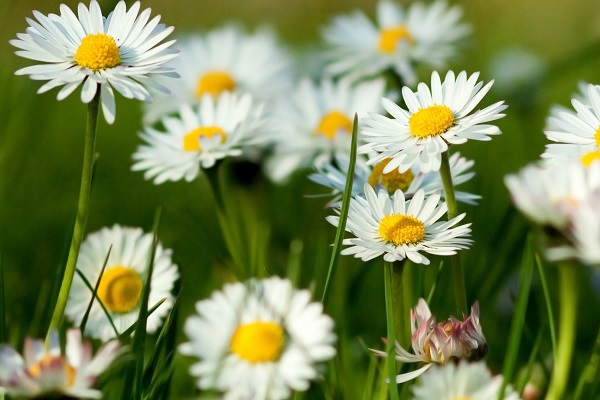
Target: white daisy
(44, 371)
(434, 120)
(123, 280)
(576, 133)
(315, 122)
(225, 59)
(227, 126)
(400, 40)
(334, 176)
(464, 380)
(398, 228)
(122, 51)
(258, 340)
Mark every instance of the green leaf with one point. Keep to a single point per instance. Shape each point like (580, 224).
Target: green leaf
(548, 302)
(89, 286)
(2, 306)
(95, 294)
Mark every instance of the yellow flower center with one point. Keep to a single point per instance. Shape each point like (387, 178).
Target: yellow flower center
(214, 83)
(258, 342)
(389, 38)
(334, 122)
(597, 137)
(98, 51)
(191, 140)
(589, 158)
(49, 362)
(393, 180)
(431, 121)
(120, 289)
(401, 229)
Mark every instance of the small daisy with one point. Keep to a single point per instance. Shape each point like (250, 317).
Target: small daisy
(122, 51)
(434, 120)
(45, 371)
(227, 126)
(464, 380)
(576, 133)
(226, 59)
(124, 278)
(400, 40)
(334, 176)
(258, 340)
(315, 123)
(583, 234)
(398, 228)
(440, 343)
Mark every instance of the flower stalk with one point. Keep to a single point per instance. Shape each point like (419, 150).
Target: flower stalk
(82, 213)
(389, 281)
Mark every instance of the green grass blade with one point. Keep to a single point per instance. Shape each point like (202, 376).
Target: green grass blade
(531, 362)
(127, 332)
(94, 294)
(590, 377)
(548, 302)
(2, 306)
(518, 322)
(91, 288)
(434, 286)
(339, 234)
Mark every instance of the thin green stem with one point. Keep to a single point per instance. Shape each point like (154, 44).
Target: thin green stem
(82, 212)
(457, 269)
(399, 301)
(568, 288)
(548, 302)
(391, 336)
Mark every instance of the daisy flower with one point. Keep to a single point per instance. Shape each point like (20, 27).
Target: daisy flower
(576, 133)
(398, 228)
(583, 234)
(225, 59)
(258, 340)
(399, 40)
(228, 126)
(440, 343)
(43, 371)
(461, 381)
(315, 122)
(434, 120)
(122, 51)
(124, 278)
(334, 176)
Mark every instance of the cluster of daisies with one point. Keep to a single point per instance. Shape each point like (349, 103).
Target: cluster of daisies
(237, 95)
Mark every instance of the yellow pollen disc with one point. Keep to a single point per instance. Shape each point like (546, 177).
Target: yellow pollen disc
(258, 342)
(589, 158)
(597, 137)
(120, 289)
(389, 38)
(191, 140)
(401, 229)
(431, 121)
(334, 122)
(52, 362)
(214, 83)
(393, 180)
(98, 51)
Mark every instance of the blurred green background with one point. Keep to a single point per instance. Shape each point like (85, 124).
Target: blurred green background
(41, 144)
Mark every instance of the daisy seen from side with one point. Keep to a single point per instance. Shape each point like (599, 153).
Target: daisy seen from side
(123, 51)
(124, 278)
(258, 340)
(435, 118)
(396, 228)
(399, 40)
(46, 371)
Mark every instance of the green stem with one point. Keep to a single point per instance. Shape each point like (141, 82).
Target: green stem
(568, 287)
(457, 270)
(399, 301)
(391, 336)
(82, 212)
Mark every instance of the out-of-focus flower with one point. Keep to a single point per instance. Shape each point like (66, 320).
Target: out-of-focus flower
(124, 278)
(576, 133)
(122, 51)
(434, 120)
(315, 123)
(398, 228)
(46, 371)
(442, 342)
(399, 40)
(334, 176)
(225, 59)
(227, 126)
(464, 380)
(258, 340)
